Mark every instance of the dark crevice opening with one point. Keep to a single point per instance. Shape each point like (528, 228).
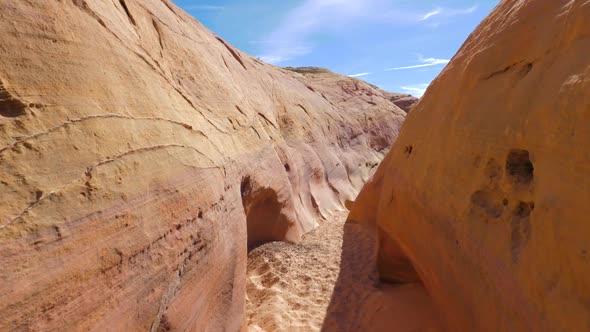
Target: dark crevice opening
(126, 9)
(10, 107)
(265, 221)
(159, 33)
(393, 264)
(519, 167)
(233, 52)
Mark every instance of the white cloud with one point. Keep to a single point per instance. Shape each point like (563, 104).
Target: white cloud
(465, 11)
(447, 13)
(204, 7)
(274, 59)
(416, 90)
(428, 62)
(359, 75)
(283, 52)
(292, 38)
(431, 14)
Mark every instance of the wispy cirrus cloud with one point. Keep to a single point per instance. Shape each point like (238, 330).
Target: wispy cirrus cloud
(428, 62)
(417, 90)
(448, 12)
(464, 11)
(293, 37)
(283, 51)
(431, 14)
(204, 7)
(359, 75)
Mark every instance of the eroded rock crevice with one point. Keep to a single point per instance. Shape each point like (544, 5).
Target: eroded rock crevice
(10, 107)
(264, 216)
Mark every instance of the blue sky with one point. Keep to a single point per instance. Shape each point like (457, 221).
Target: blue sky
(398, 45)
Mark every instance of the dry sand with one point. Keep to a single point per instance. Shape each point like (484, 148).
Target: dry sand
(328, 282)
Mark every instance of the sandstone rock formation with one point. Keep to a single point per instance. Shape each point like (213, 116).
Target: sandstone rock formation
(403, 101)
(140, 154)
(326, 82)
(484, 196)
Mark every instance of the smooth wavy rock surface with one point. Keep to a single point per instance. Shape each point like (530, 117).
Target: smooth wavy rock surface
(140, 156)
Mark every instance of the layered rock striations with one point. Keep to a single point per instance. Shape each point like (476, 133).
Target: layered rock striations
(140, 156)
(484, 196)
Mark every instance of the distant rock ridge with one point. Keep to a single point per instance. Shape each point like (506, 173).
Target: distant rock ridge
(309, 70)
(403, 101)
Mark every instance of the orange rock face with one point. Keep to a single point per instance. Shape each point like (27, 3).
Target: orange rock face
(485, 195)
(140, 155)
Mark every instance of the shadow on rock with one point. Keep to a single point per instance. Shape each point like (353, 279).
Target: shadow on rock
(361, 302)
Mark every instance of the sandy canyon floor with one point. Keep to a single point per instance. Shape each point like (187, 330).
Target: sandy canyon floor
(328, 282)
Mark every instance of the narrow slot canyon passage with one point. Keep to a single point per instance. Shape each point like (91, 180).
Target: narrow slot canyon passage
(329, 282)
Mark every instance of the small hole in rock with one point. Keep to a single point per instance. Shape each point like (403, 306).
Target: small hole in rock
(245, 186)
(520, 167)
(526, 69)
(523, 210)
(408, 151)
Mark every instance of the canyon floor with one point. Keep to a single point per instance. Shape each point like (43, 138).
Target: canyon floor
(328, 282)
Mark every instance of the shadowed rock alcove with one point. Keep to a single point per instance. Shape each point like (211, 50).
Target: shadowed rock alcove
(265, 221)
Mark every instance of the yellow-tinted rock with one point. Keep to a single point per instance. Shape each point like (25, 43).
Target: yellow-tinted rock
(138, 150)
(486, 193)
